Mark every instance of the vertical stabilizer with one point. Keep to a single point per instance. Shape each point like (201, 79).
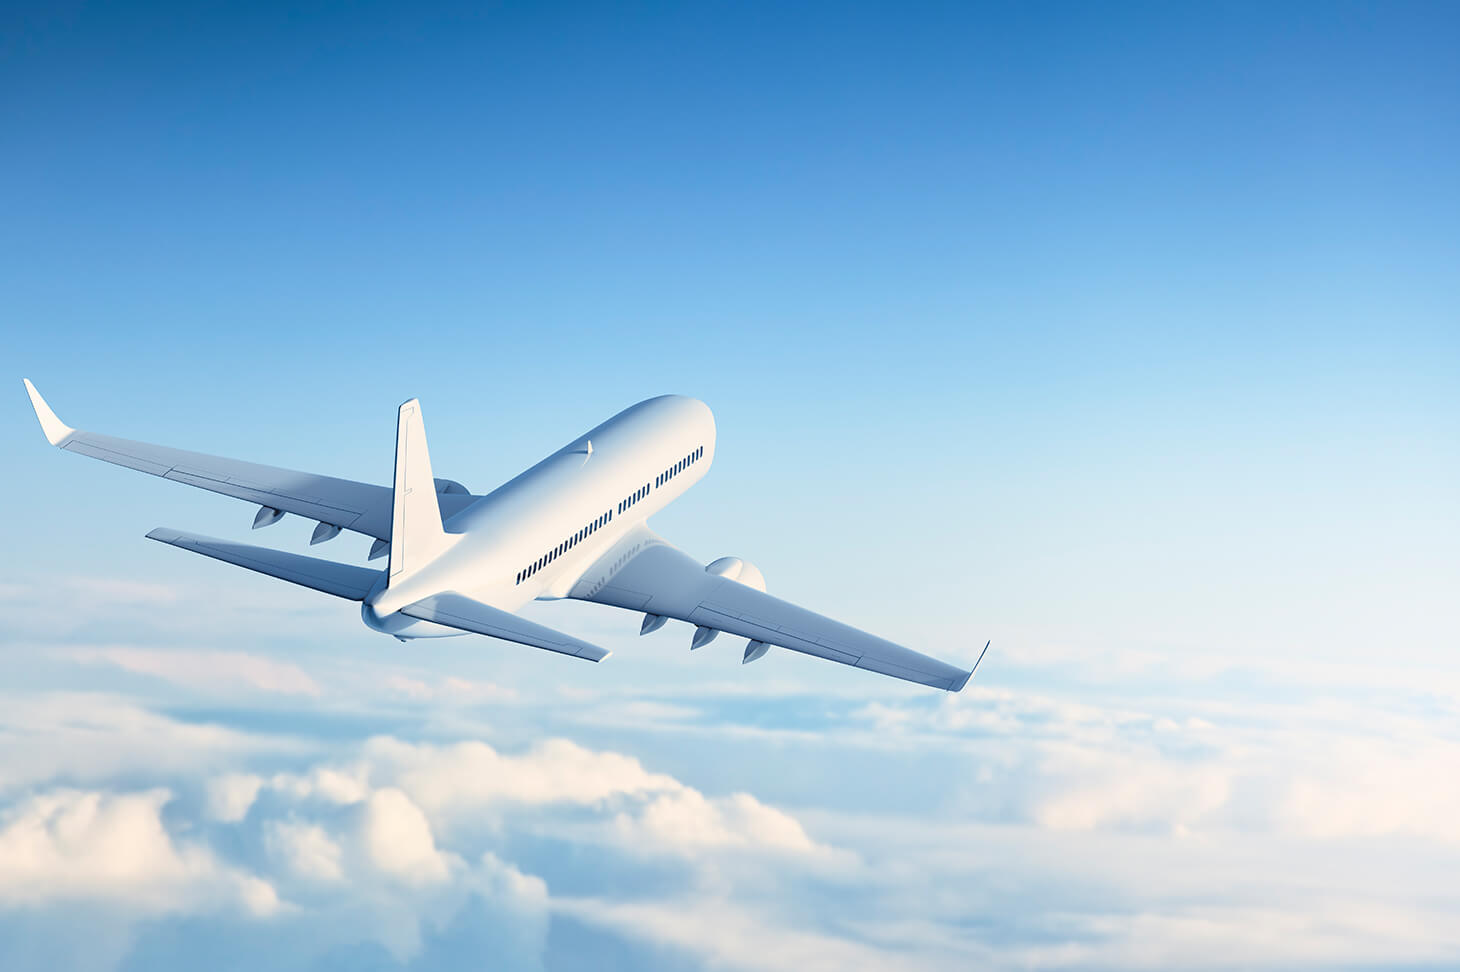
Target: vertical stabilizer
(416, 533)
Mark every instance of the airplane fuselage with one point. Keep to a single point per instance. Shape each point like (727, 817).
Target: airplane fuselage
(532, 537)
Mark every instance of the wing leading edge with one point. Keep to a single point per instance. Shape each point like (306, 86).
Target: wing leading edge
(360, 507)
(644, 573)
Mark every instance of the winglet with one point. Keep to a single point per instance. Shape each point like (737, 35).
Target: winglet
(56, 431)
(964, 681)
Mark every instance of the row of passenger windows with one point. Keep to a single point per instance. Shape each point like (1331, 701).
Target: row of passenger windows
(633, 497)
(679, 467)
(598, 523)
(604, 520)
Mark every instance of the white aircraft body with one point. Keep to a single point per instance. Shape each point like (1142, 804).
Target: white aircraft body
(572, 526)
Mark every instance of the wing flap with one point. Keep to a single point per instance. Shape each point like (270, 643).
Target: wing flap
(458, 611)
(341, 580)
(680, 588)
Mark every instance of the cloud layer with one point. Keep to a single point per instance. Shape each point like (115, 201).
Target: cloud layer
(313, 811)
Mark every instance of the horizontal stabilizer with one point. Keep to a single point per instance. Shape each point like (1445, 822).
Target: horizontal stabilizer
(456, 611)
(341, 580)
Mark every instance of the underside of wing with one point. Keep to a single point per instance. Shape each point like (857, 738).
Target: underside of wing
(644, 573)
(458, 611)
(344, 503)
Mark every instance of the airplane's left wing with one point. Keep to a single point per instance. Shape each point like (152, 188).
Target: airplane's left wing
(642, 572)
(361, 507)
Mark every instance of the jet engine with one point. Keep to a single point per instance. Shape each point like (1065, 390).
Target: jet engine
(740, 571)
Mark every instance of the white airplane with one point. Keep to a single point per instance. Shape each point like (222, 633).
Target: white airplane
(572, 526)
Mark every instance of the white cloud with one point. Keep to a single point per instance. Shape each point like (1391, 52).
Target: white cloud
(229, 796)
(398, 839)
(686, 821)
(304, 850)
(84, 845)
(1037, 830)
(331, 784)
(472, 775)
(91, 737)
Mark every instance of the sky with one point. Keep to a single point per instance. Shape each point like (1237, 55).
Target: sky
(1126, 336)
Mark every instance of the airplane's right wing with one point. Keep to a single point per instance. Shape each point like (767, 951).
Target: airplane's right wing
(361, 507)
(644, 573)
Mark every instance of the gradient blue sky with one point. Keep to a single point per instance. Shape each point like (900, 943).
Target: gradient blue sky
(1126, 335)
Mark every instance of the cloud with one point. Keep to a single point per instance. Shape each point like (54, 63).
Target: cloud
(398, 839)
(304, 850)
(1001, 828)
(81, 845)
(450, 688)
(471, 775)
(213, 671)
(229, 796)
(85, 737)
(686, 821)
(725, 935)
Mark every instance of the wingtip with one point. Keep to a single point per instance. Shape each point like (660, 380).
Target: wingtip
(55, 430)
(958, 686)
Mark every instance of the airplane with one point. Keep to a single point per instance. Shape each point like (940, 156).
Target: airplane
(574, 526)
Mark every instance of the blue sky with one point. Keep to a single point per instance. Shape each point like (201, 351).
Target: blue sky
(1123, 335)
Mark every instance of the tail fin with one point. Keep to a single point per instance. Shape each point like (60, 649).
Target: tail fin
(416, 533)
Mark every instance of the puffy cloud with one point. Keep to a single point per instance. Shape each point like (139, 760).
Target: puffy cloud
(330, 784)
(1012, 829)
(685, 820)
(74, 844)
(398, 839)
(472, 775)
(304, 850)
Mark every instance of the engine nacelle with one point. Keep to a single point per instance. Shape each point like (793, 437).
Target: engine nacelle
(740, 571)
